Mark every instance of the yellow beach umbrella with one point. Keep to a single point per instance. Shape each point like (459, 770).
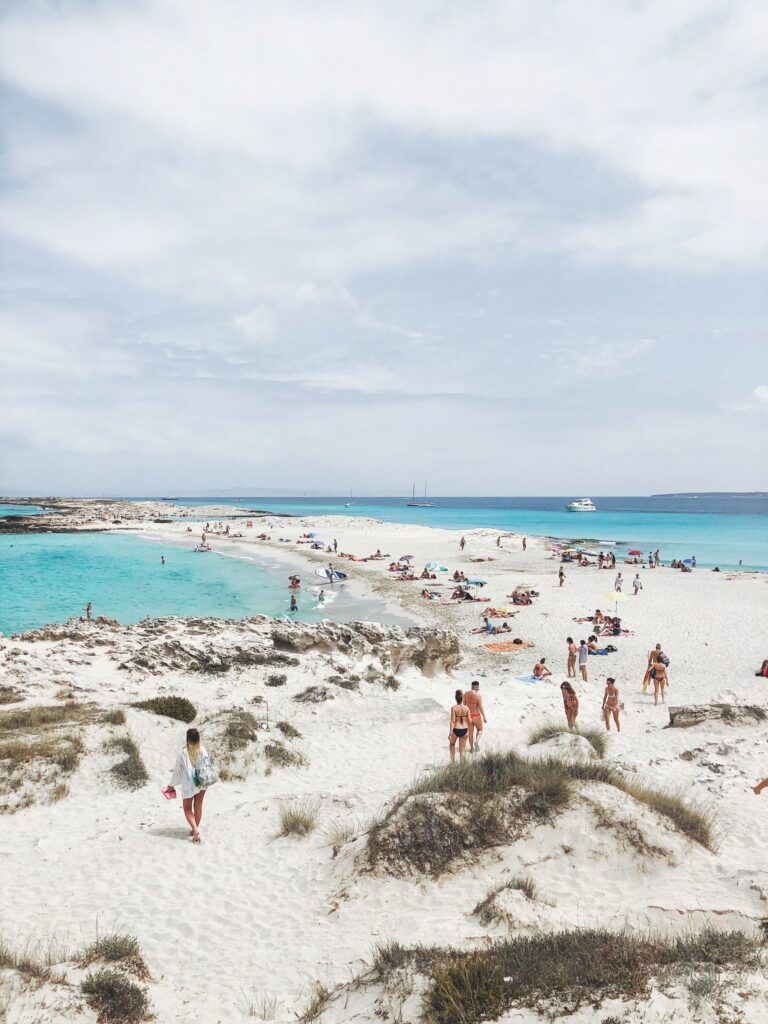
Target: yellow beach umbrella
(616, 596)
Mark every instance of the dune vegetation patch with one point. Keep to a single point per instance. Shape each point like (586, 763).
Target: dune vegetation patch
(314, 695)
(276, 679)
(488, 911)
(10, 695)
(40, 749)
(280, 756)
(116, 948)
(289, 731)
(597, 738)
(178, 708)
(240, 729)
(298, 817)
(131, 772)
(496, 798)
(562, 971)
(115, 998)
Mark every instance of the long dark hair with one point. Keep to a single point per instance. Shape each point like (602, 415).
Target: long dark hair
(193, 745)
(569, 688)
(459, 695)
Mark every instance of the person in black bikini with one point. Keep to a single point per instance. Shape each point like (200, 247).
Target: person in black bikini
(459, 726)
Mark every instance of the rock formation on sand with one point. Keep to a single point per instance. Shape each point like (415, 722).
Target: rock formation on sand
(218, 645)
(695, 714)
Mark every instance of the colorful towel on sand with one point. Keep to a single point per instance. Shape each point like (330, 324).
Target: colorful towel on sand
(526, 679)
(502, 646)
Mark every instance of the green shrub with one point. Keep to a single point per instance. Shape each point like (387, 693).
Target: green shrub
(240, 729)
(276, 679)
(288, 731)
(178, 708)
(130, 773)
(116, 948)
(281, 757)
(116, 999)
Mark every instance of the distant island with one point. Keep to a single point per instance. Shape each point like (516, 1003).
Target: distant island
(713, 494)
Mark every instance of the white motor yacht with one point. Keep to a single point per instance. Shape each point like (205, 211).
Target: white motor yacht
(582, 505)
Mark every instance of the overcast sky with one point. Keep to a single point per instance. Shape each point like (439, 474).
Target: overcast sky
(512, 248)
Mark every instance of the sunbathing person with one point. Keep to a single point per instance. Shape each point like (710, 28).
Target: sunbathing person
(763, 669)
(540, 670)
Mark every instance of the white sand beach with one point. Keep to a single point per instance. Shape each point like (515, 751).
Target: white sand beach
(242, 926)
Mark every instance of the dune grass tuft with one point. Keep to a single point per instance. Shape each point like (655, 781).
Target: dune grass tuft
(178, 708)
(572, 967)
(316, 1004)
(116, 999)
(276, 679)
(298, 817)
(8, 695)
(279, 756)
(40, 716)
(131, 773)
(288, 730)
(116, 948)
(240, 729)
(114, 716)
(598, 738)
(486, 909)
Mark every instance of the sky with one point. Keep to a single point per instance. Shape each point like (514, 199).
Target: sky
(507, 248)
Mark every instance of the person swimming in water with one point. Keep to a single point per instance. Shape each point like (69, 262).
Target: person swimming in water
(459, 726)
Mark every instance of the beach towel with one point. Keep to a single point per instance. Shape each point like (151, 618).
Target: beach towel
(502, 646)
(527, 679)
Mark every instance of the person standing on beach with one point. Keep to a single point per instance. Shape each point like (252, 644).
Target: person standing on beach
(650, 559)
(660, 679)
(458, 727)
(335, 546)
(583, 659)
(617, 583)
(649, 667)
(656, 558)
(571, 665)
(498, 542)
(611, 704)
(192, 794)
(88, 610)
(637, 584)
(462, 543)
(474, 704)
(525, 543)
(294, 603)
(561, 576)
(570, 703)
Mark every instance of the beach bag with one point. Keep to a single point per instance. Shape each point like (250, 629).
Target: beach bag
(205, 774)
(610, 649)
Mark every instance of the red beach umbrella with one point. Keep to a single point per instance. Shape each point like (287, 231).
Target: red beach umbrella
(635, 552)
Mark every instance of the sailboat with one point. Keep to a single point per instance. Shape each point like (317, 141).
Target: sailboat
(350, 503)
(420, 504)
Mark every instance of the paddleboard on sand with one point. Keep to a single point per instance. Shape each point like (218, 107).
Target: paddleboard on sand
(332, 576)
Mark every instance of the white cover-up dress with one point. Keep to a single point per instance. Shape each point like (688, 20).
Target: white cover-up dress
(184, 774)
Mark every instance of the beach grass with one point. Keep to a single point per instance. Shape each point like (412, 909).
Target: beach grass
(131, 772)
(115, 998)
(41, 716)
(486, 909)
(114, 716)
(298, 817)
(178, 708)
(240, 729)
(276, 679)
(598, 738)
(279, 756)
(316, 1003)
(9, 695)
(571, 968)
(116, 948)
(289, 731)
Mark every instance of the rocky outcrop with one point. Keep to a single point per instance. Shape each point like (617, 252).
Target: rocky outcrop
(218, 645)
(684, 716)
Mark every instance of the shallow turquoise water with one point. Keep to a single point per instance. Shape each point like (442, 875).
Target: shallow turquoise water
(50, 577)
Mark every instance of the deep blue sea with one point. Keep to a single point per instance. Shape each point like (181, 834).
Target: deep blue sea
(721, 530)
(49, 577)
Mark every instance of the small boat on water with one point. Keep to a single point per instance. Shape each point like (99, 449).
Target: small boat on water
(420, 504)
(581, 505)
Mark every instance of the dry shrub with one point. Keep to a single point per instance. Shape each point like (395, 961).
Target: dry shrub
(115, 716)
(41, 715)
(116, 948)
(131, 773)
(314, 695)
(569, 968)
(178, 708)
(279, 756)
(298, 817)
(8, 695)
(487, 910)
(318, 1000)
(289, 731)
(276, 679)
(598, 738)
(116, 999)
(346, 682)
(240, 729)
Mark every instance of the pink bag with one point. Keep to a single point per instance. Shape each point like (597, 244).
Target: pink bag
(169, 793)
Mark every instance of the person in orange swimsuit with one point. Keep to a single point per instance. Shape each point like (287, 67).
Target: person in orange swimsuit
(474, 703)
(611, 704)
(570, 703)
(459, 726)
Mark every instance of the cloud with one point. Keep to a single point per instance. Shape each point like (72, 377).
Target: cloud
(593, 357)
(259, 323)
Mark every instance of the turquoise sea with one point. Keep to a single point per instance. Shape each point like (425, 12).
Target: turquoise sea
(722, 530)
(50, 577)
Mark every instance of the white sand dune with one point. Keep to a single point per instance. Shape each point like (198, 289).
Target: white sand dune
(249, 915)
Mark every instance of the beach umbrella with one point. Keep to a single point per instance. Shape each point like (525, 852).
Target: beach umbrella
(435, 567)
(476, 582)
(616, 596)
(635, 552)
(405, 558)
(311, 534)
(687, 561)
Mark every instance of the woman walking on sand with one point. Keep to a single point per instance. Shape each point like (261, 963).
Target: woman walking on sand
(186, 774)
(570, 703)
(660, 679)
(611, 704)
(571, 667)
(459, 726)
